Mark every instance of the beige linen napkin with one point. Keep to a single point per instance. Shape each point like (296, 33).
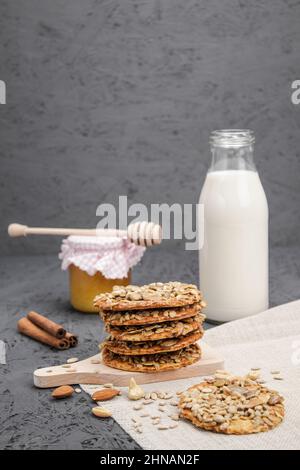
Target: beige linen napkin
(270, 340)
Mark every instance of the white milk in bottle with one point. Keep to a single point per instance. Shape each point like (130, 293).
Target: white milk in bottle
(234, 256)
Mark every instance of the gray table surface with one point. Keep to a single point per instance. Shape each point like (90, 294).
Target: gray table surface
(30, 419)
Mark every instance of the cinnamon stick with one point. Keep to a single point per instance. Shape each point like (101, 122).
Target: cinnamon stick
(47, 325)
(72, 339)
(26, 327)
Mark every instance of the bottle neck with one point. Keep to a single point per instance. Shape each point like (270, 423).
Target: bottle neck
(232, 158)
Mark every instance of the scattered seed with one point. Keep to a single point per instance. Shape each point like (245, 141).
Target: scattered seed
(78, 390)
(255, 368)
(161, 409)
(174, 417)
(135, 420)
(147, 396)
(71, 360)
(277, 377)
(153, 396)
(144, 415)
(147, 402)
(101, 412)
(174, 403)
(275, 372)
(138, 407)
(173, 425)
(162, 427)
(108, 385)
(66, 366)
(168, 396)
(162, 403)
(179, 393)
(261, 381)
(95, 361)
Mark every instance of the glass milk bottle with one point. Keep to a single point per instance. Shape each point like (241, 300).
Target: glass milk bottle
(234, 256)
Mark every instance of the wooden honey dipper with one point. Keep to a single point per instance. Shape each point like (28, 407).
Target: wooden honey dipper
(140, 233)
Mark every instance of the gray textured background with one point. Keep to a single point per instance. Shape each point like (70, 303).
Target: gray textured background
(118, 97)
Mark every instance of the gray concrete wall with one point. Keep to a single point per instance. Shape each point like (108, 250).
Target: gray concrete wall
(119, 96)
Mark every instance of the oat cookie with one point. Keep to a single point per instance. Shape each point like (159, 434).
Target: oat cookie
(147, 317)
(153, 362)
(171, 329)
(232, 405)
(155, 295)
(152, 347)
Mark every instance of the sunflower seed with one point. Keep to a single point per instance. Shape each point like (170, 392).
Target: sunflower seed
(136, 421)
(108, 385)
(78, 390)
(168, 396)
(138, 407)
(174, 417)
(71, 360)
(147, 402)
(95, 361)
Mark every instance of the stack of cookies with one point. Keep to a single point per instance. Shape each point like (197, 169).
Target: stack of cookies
(152, 328)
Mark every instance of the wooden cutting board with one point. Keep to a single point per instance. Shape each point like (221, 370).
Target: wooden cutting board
(85, 372)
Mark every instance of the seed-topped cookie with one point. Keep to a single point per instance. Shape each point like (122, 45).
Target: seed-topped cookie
(149, 316)
(132, 348)
(153, 327)
(153, 362)
(155, 295)
(155, 331)
(232, 405)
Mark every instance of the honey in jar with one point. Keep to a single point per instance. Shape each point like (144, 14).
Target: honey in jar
(84, 288)
(95, 265)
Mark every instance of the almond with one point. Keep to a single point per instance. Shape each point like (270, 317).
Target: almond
(105, 394)
(62, 392)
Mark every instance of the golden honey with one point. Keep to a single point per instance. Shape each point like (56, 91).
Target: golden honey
(84, 288)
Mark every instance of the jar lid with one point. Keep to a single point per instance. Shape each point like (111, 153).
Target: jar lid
(111, 256)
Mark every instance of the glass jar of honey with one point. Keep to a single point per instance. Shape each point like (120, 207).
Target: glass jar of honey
(95, 265)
